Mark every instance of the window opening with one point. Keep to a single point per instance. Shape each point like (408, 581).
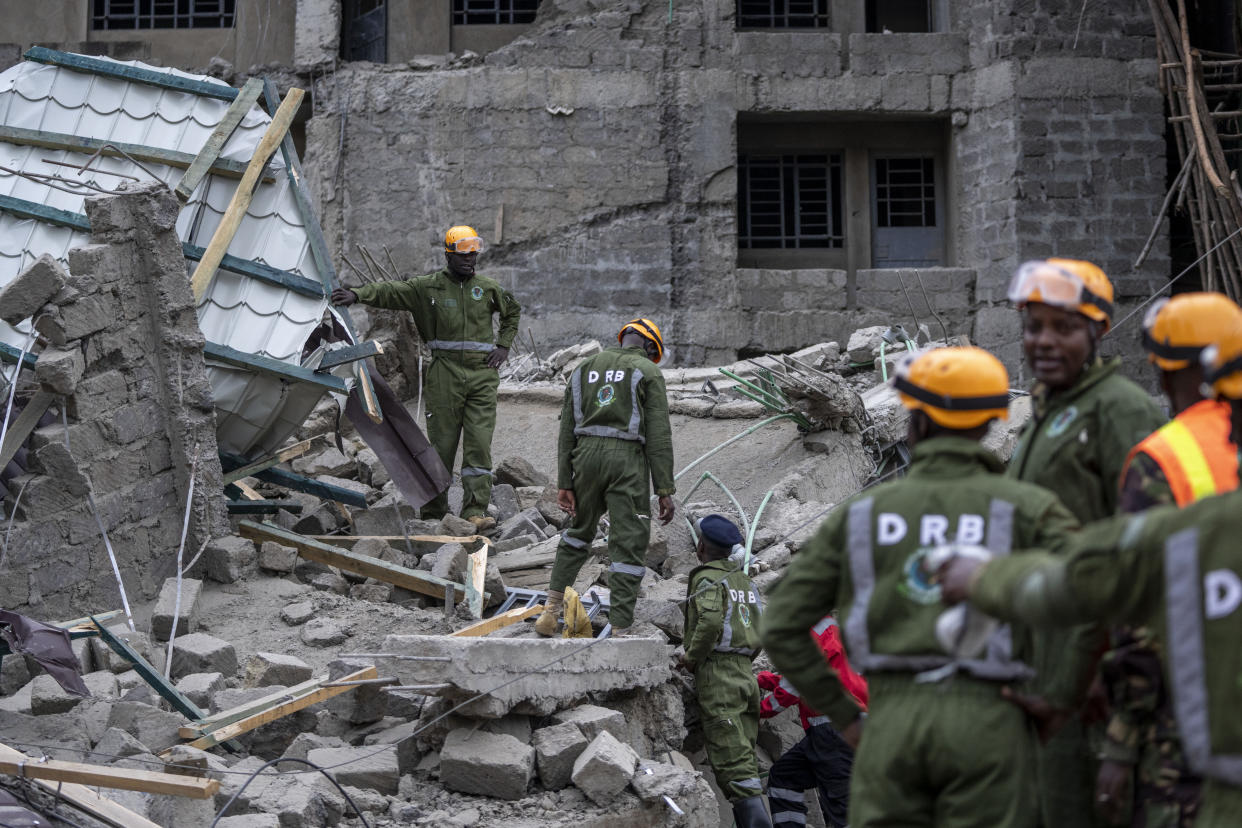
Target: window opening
(790, 201)
(905, 192)
(162, 14)
(364, 25)
(899, 16)
(476, 12)
(782, 14)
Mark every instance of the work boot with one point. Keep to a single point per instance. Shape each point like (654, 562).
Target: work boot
(549, 621)
(482, 523)
(750, 813)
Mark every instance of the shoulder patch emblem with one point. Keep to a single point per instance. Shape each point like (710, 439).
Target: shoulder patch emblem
(606, 395)
(743, 612)
(476, 293)
(1062, 421)
(916, 585)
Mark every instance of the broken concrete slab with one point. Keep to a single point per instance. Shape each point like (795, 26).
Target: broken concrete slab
(526, 522)
(119, 744)
(593, 720)
(480, 664)
(557, 747)
(864, 343)
(653, 781)
(517, 472)
(604, 768)
(31, 289)
(297, 613)
(48, 697)
(275, 668)
(166, 605)
(493, 764)
(202, 653)
(455, 526)
(155, 728)
(275, 557)
(330, 461)
(374, 768)
(322, 632)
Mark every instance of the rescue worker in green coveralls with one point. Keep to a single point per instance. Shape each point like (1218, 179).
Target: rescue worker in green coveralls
(1086, 417)
(1181, 568)
(943, 746)
(721, 640)
(1191, 457)
(614, 437)
(452, 309)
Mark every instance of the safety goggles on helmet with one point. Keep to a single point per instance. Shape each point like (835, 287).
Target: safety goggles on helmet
(1163, 349)
(901, 382)
(471, 244)
(1042, 281)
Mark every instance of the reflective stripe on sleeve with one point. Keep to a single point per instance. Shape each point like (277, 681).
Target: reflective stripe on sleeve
(786, 794)
(450, 345)
(475, 471)
(815, 721)
(574, 542)
(627, 569)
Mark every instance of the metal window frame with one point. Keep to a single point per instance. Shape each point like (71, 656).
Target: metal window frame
(882, 198)
(500, 12)
(793, 234)
(136, 15)
(779, 14)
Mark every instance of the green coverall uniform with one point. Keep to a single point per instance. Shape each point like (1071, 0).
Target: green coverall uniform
(1076, 445)
(454, 318)
(941, 747)
(615, 434)
(721, 640)
(1181, 567)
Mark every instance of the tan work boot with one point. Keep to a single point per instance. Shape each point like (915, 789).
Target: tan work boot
(548, 622)
(482, 523)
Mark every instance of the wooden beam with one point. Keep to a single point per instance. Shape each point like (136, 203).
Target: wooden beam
(10, 355)
(118, 149)
(210, 153)
(299, 483)
(496, 622)
(260, 271)
(25, 423)
(48, 215)
(476, 576)
(246, 490)
(272, 367)
(126, 779)
(295, 450)
(135, 74)
(349, 540)
(350, 353)
(82, 797)
(232, 731)
(232, 218)
(235, 714)
(411, 579)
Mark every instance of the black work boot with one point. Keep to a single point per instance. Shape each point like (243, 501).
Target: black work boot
(750, 813)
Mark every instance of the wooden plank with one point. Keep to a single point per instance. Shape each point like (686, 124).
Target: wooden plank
(272, 367)
(82, 797)
(260, 271)
(88, 621)
(117, 149)
(413, 580)
(210, 152)
(496, 622)
(349, 540)
(246, 490)
(232, 731)
(126, 779)
(295, 450)
(525, 559)
(476, 575)
(232, 218)
(10, 355)
(350, 353)
(25, 423)
(49, 215)
(136, 74)
(235, 714)
(300, 483)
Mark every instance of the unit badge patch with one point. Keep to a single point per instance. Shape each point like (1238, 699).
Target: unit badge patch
(605, 395)
(476, 293)
(916, 586)
(1062, 421)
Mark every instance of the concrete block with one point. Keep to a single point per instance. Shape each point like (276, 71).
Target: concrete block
(322, 632)
(166, 604)
(493, 764)
(275, 668)
(557, 747)
(373, 768)
(105, 658)
(450, 562)
(604, 768)
(48, 697)
(33, 288)
(117, 743)
(155, 728)
(250, 821)
(275, 557)
(518, 471)
(329, 461)
(375, 593)
(199, 687)
(301, 746)
(14, 675)
(504, 498)
(526, 522)
(60, 369)
(228, 558)
(297, 613)
(593, 720)
(364, 705)
(653, 781)
(401, 738)
(454, 526)
(202, 653)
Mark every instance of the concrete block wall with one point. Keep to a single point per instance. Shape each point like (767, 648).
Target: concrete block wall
(139, 415)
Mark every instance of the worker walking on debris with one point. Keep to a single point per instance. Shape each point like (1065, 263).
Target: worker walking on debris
(452, 309)
(1189, 458)
(943, 747)
(1181, 567)
(1086, 417)
(615, 436)
(822, 759)
(721, 641)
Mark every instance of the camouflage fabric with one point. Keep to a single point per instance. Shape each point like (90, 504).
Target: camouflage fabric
(1143, 485)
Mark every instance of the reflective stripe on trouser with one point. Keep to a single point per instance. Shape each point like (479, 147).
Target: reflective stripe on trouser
(951, 755)
(461, 406)
(609, 476)
(822, 760)
(729, 709)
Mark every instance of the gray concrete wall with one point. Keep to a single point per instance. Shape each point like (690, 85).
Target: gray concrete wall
(597, 155)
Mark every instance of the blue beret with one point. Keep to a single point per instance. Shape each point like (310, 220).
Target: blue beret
(720, 531)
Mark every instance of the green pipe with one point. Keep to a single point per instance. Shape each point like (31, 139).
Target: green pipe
(769, 406)
(709, 476)
(883, 365)
(754, 527)
(777, 401)
(732, 440)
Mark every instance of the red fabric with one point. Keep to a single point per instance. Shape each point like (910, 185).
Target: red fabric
(782, 694)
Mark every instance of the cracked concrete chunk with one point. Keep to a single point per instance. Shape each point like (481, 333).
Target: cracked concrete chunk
(33, 288)
(322, 632)
(517, 472)
(202, 653)
(494, 764)
(374, 768)
(275, 557)
(60, 369)
(593, 720)
(276, 668)
(298, 613)
(556, 749)
(166, 605)
(604, 768)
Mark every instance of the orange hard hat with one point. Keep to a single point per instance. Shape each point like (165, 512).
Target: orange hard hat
(958, 388)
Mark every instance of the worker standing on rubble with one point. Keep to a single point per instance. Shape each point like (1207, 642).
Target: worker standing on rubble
(942, 746)
(822, 759)
(1179, 566)
(1086, 417)
(452, 309)
(1189, 458)
(615, 436)
(721, 641)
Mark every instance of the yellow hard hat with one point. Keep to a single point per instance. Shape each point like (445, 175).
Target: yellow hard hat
(647, 330)
(1176, 330)
(1222, 364)
(462, 239)
(1065, 283)
(958, 388)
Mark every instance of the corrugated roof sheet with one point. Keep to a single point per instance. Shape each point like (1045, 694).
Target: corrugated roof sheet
(254, 414)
